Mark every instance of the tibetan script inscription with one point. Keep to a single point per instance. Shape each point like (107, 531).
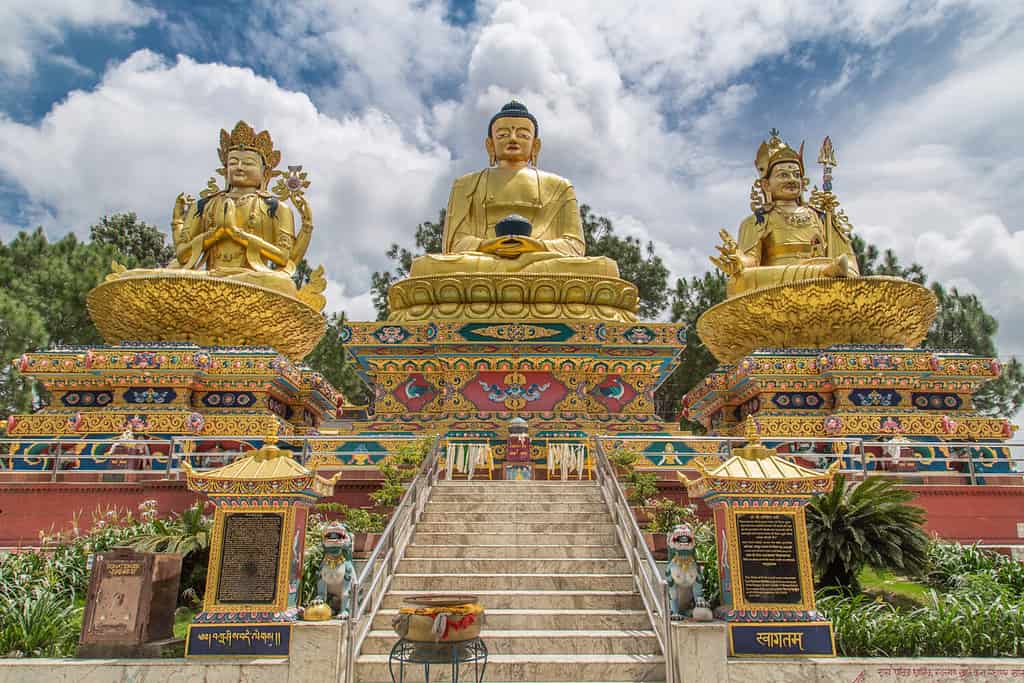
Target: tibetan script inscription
(768, 558)
(249, 558)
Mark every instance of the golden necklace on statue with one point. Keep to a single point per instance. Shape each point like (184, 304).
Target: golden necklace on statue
(799, 218)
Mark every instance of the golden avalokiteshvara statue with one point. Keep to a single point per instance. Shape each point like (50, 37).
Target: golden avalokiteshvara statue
(237, 250)
(513, 244)
(793, 279)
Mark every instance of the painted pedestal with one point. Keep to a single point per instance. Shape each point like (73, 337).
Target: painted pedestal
(880, 393)
(469, 380)
(105, 396)
(256, 551)
(764, 564)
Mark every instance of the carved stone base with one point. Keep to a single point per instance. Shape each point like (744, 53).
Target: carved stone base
(819, 313)
(186, 307)
(503, 296)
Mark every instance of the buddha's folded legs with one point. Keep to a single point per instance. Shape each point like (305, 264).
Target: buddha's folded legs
(537, 262)
(769, 276)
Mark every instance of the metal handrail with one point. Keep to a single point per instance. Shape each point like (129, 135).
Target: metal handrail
(370, 585)
(650, 583)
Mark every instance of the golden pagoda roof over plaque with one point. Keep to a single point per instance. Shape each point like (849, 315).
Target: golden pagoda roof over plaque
(758, 471)
(269, 471)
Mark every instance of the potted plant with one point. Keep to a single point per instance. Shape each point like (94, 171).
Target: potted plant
(364, 525)
(624, 461)
(640, 488)
(667, 514)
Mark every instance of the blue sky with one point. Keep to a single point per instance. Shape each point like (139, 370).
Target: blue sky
(654, 110)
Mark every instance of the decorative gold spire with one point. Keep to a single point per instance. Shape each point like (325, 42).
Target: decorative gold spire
(827, 155)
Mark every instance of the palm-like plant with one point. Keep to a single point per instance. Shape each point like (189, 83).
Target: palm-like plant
(187, 534)
(868, 524)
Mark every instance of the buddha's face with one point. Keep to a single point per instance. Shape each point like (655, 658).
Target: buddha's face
(512, 140)
(784, 181)
(244, 169)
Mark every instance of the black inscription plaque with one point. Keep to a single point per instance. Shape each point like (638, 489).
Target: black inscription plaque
(249, 558)
(768, 558)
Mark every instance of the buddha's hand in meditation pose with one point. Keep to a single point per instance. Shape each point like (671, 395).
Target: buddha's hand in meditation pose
(511, 246)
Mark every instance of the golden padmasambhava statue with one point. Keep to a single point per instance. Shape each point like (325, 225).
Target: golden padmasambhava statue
(785, 240)
(512, 238)
(793, 280)
(237, 251)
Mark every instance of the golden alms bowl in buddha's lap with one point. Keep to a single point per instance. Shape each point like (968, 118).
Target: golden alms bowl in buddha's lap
(818, 313)
(186, 306)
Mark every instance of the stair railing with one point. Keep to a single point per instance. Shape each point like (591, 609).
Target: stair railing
(648, 579)
(370, 584)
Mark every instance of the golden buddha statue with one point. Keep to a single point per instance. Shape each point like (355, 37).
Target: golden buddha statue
(237, 249)
(513, 245)
(512, 184)
(785, 240)
(793, 280)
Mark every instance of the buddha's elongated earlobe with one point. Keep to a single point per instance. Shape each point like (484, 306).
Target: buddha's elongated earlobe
(535, 153)
(492, 157)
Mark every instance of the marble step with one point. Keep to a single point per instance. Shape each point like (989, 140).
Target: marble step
(446, 515)
(577, 529)
(524, 565)
(522, 598)
(542, 642)
(550, 668)
(443, 583)
(457, 503)
(523, 538)
(543, 484)
(484, 507)
(540, 552)
(548, 619)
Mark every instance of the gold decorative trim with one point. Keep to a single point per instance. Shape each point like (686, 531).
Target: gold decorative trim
(515, 296)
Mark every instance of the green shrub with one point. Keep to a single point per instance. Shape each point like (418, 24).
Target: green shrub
(869, 524)
(963, 624)
(706, 551)
(950, 563)
(38, 620)
(668, 514)
(624, 458)
(388, 495)
(641, 487)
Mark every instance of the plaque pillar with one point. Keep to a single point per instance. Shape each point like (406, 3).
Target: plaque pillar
(764, 563)
(256, 548)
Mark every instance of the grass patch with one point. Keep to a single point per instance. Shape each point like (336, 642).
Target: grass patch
(182, 618)
(893, 588)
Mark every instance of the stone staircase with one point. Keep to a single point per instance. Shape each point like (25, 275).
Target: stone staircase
(544, 559)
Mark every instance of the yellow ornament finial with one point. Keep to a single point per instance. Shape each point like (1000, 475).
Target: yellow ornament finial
(752, 430)
(827, 154)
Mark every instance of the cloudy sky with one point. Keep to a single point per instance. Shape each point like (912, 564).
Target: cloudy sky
(653, 109)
